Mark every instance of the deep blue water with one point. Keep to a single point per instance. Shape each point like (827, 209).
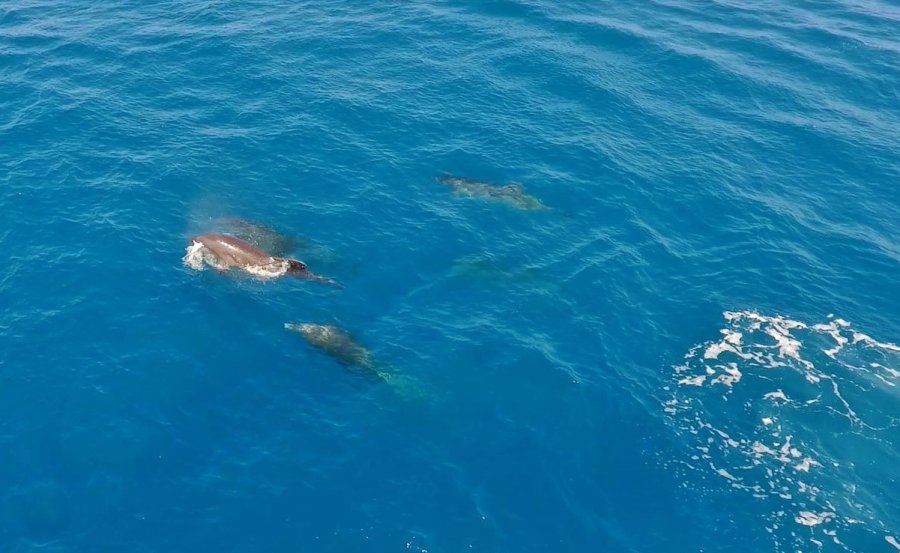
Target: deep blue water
(710, 166)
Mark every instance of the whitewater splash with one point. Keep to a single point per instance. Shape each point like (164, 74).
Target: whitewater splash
(197, 257)
(803, 417)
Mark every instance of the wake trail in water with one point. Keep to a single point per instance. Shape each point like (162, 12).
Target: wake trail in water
(801, 416)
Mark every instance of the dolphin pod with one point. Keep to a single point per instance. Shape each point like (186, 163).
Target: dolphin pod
(263, 252)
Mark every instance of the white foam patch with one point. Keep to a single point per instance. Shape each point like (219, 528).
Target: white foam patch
(793, 412)
(731, 342)
(807, 518)
(893, 541)
(193, 256)
(693, 381)
(274, 269)
(777, 395)
(731, 375)
(725, 474)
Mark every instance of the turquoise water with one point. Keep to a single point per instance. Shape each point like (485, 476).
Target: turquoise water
(692, 349)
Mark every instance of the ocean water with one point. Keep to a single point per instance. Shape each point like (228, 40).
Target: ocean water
(694, 348)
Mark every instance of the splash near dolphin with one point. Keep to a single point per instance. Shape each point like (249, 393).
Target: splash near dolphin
(224, 252)
(511, 194)
(347, 351)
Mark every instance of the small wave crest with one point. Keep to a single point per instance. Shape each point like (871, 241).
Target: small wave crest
(801, 416)
(195, 256)
(275, 269)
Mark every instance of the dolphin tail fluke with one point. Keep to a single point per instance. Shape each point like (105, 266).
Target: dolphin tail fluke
(408, 388)
(326, 280)
(309, 275)
(404, 386)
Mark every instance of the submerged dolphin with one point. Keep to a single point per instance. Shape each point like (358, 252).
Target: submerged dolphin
(341, 346)
(223, 251)
(338, 344)
(511, 194)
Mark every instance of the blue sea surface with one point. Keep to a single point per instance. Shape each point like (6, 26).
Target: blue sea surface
(693, 349)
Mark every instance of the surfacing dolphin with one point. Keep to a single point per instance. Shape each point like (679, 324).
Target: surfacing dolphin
(276, 243)
(344, 349)
(223, 251)
(511, 194)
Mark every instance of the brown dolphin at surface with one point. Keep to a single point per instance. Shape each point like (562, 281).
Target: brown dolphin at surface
(273, 241)
(223, 251)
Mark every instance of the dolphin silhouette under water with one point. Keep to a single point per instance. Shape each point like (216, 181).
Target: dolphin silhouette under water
(338, 344)
(347, 351)
(512, 194)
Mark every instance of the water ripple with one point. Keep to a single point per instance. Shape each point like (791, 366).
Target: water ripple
(696, 157)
